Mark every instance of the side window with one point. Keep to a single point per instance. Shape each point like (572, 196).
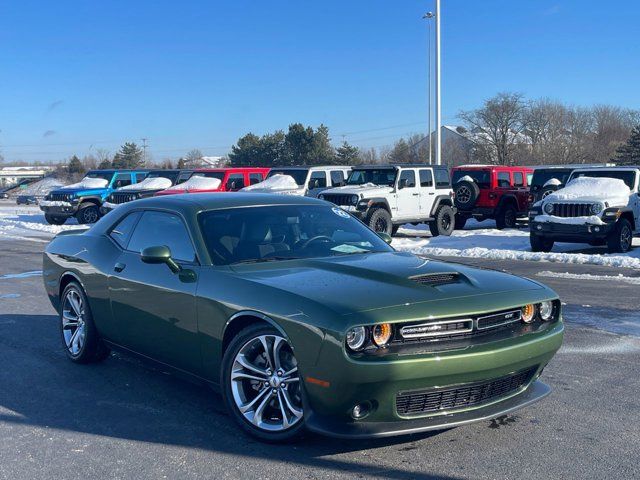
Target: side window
(122, 231)
(408, 177)
(122, 180)
(518, 179)
(235, 182)
(183, 177)
(529, 178)
(504, 180)
(442, 178)
(426, 178)
(337, 178)
(318, 180)
(140, 177)
(255, 178)
(159, 228)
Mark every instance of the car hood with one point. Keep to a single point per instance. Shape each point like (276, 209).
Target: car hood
(366, 190)
(358, 283)
(79, 191)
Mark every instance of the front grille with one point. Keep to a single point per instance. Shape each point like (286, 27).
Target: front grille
(60, 197)
(499, 319)
(338, 199)
(436, 279)
(463, 396)
(122, 197)
(571, 209)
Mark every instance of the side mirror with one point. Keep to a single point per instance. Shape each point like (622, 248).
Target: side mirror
(402, 184)
(386, 237)
(160, 254)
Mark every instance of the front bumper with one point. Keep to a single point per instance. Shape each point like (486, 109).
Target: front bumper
(378, 381)
(59, 209)
(571, 233)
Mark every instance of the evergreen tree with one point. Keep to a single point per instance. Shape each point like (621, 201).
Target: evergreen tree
(629, 152)
(129, 156)
(299, 145)
(347, 154)
(105, 164)
(181, 164)
(401, 152)
(75, 166)
(322, 152)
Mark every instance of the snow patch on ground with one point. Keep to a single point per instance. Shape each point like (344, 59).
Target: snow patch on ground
(587, 276)
(28, 223)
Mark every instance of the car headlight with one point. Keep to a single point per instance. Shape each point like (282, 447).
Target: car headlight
(546, 311)
(321, 197)
(356, 338)
(528, 313)
(548, 208)
(381, 334)
(597, 208)
(354, 199)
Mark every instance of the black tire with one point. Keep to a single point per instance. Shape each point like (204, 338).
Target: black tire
(466, 194)
(54, 219)
(241, 340)
(88, 213)
(621, 238)
(379, 220)
(506, 217)
(92, 348)
(540, 244)
(460, 222)
(444, 222)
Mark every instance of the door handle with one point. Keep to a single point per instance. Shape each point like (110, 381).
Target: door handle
(119, 267)
(432, 193)
(415, 194)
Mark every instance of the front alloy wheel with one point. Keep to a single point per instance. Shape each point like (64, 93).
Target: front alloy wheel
(262, 384)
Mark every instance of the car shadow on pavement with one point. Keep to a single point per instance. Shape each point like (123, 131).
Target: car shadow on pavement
(129, 399)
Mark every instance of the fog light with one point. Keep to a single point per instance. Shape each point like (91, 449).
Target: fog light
(528, 312)
(381, 334)
(360, 411)
(596, 229)
(546, 311)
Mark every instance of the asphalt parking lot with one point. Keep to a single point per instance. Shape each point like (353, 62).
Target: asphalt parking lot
(127, 419)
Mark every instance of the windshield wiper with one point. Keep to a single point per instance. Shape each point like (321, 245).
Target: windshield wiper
(266, 259)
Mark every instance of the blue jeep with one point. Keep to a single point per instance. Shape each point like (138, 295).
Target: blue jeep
(83, 199)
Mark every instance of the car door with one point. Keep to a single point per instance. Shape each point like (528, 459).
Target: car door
(427, 191)
(154, 309)
(408, 195)
(522, 193)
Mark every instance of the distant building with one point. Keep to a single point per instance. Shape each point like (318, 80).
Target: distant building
(15, 175)
(457, 145)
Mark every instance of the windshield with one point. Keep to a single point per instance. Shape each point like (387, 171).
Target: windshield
(481, 177)
(541, 176)
(104, 175)
(218, 175)
(299, 174)
(173, 176)
(627, 177)
(377, 176)
(284, 232)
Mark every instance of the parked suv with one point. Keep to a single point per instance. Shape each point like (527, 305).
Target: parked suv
(304, 181)
(206, 180)
(599, 206)
(387, 196)
(83, 199)
(490, 191)
(154, 182)
(551, 178)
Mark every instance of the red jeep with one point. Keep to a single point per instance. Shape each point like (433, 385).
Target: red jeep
(490, 191)
(231, 179)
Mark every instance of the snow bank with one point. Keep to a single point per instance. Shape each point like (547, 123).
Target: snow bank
(552, 182)
(587, 188)
(156, 183)
(28, 223)
(276, 182)
(198, 183)
(587, 276)
(41, 187)
(88, 183)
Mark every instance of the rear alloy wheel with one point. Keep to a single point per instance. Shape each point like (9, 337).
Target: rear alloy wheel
(444, 221)
(379, 220)
(540, 244)
(54, 219)
(88, 213)
(621, 238)
(261, 384)
(506, 217)
(79, 335)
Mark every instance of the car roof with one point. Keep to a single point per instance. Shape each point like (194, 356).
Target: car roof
(604, 169)
(395, 166)
(314, 167)
(228, 169)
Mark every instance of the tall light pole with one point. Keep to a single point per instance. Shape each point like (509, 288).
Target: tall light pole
(144, 151)
(428, 16)
(438, 106)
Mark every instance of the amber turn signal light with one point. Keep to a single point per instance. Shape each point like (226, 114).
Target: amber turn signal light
(381, 334)
(528, 312)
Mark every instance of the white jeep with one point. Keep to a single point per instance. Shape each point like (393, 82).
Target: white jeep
(303, 181)
(598, 206)
(387, 196)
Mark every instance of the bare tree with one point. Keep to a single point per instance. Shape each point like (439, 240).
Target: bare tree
(194, 158)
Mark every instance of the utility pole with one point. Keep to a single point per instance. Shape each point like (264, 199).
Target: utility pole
(144, 151)
(438, 103)
(428, 16)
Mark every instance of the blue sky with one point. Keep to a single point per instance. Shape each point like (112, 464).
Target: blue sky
(78, 76)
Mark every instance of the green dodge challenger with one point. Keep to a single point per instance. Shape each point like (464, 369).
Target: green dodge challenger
(301, 316)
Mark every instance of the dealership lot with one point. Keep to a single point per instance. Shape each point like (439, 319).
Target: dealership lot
(124, 418)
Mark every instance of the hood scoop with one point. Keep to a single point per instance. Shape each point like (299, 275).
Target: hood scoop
(436, 279)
